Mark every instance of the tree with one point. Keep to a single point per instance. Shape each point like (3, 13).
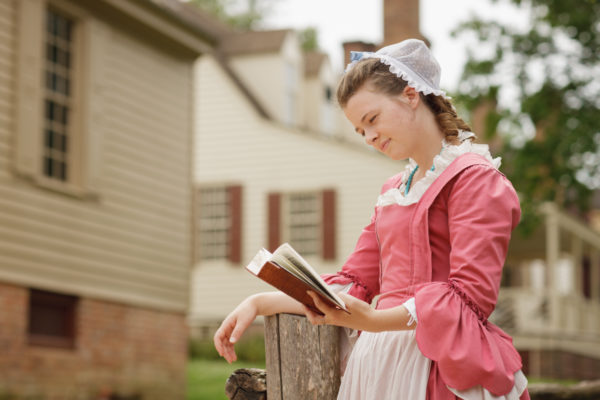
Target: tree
(544, 84)
(309, 39)
(251, 16)
(240, 14)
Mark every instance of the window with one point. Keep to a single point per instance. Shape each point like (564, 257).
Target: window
(327, 122)
(328, 94)
(218, 223)
(57, 96)
(51, 319)
(304, 219)
(61, 96)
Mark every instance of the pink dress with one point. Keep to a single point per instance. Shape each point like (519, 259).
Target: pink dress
(446, 251)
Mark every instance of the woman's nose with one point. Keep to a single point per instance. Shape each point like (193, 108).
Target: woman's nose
(370, 136)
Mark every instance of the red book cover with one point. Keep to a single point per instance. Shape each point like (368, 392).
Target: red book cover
(287, 282)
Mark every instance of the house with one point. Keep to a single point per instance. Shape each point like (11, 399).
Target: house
(550, 299)
(95, 192)
(320, 111)
(272, 165)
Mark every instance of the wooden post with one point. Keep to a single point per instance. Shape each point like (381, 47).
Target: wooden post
(247, 384)
(303, 361)
(552, 255)
(576, 316)
(595, 275)
(577, 257)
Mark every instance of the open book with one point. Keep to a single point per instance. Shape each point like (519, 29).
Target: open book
(287, 271)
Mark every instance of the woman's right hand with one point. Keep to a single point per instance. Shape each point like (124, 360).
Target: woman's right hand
(236, 323)
(232, 328)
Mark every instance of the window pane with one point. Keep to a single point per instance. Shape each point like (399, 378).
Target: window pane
(48, 320)
(51, 319)
(49, 110)
(49, 138)
(58, 90)
(62, 170)
(48, 166)
(213, 223)
(304, 222)
(63, 143)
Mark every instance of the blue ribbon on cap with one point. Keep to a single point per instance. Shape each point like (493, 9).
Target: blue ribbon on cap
(357, 55)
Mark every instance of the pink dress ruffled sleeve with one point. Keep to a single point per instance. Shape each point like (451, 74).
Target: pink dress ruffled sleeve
(452, 329)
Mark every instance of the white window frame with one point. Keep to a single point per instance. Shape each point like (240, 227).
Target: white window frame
(89, 43)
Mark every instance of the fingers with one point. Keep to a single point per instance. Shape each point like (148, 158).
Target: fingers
(313, 317)
(317, 300)
(240, 327)
(232, 329)
(222, 340)
(320, 304)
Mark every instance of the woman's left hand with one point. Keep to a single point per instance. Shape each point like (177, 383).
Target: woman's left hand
(362, 316)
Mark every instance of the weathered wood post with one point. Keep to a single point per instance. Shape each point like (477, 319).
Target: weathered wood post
(302, 360)
(247, 384)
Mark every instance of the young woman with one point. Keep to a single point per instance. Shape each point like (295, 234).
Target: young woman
(433, 252)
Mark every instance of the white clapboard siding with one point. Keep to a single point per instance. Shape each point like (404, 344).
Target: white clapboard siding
(264, 156)
(130, 242)
(264, 75)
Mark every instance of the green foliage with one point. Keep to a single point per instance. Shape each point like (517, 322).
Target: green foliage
(309, 39)
(228, 11)
(202, 349)
(250, 348)
(9, 395)
(549, 126)
(250, 16)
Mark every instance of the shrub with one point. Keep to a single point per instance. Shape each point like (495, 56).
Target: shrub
(250, 348)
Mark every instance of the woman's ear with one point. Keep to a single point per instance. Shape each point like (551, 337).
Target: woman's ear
(412, 96)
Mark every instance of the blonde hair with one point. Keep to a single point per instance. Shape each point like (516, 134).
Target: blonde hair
(373, 72)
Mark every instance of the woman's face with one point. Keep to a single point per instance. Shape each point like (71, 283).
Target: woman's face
(386, 122)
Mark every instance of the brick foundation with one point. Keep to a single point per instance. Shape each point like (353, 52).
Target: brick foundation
(119, 349)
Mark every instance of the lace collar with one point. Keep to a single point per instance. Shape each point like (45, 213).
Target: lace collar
(448, 154)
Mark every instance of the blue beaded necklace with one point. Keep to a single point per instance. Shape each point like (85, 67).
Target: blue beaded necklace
(410, 178)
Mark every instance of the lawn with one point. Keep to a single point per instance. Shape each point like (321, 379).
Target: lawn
(206, 378)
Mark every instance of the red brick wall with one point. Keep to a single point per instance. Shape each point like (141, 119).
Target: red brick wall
(119, 349)
(356, 46)
(400, 20)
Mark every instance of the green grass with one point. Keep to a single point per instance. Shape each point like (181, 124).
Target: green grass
(206, 378)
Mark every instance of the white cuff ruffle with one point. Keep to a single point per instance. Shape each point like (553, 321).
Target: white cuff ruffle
(412, 310)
